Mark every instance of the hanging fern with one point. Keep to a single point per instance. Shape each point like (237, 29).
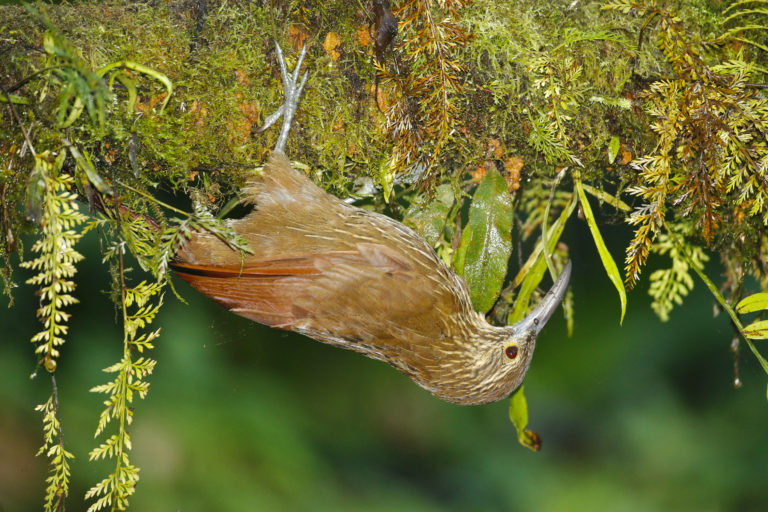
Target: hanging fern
(57, 489)
(138, 312)
(50, 200)
(55, 264)
(669, 286)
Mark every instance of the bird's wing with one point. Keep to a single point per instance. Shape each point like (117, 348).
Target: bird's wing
(372, 295)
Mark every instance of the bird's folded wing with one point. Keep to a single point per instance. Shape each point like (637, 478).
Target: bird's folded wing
(366, 294)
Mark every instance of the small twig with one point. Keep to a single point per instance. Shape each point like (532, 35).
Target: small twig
(18, 85)
(153, 199)
(118, 222)
(17, 117)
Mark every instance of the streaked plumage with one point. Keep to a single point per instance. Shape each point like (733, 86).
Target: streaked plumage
(358, 280)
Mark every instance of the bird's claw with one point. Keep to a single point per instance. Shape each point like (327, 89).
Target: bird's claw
(292, 90)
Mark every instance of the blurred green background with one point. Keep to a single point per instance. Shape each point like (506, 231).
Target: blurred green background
(642, 417)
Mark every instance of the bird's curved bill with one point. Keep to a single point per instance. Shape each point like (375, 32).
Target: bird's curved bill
(537, 319)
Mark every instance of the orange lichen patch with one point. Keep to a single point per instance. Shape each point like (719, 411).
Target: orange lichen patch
(626, 155)
(192, 175)
(199, 114)
(363, 37)
(148, 105)
(240, 128)
(331, 46)
(250, 111)
(494, 146)
(110, 154)
(240, 131)
(479, 172)
(215, 189)
(242, 77)
(297, 36)
(514, 166)
(157, 99)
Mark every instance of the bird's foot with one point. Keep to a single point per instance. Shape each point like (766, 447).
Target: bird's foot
(292, 90)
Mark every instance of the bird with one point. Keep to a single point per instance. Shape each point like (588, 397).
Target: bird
(358, 280)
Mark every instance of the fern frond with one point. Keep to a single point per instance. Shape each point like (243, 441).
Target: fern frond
(57, 488)
(670, 286)
(55, 263)
(140, 305)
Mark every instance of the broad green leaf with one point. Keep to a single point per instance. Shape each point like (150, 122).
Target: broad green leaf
(84, 163)
(757, 330)
(429, 220)
(486, 243)
(613, 149)
(74, 113)
(605, 256)
(518, 414)
(753, 303)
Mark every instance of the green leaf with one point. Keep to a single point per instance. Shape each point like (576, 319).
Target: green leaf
(12, 98)
(429, 219)
(518, 414)
(486, 243)
(139, 68)
(84, 163)
(130, 86)
(605, 256)
(757, 330)
(536, 265)
(74, 113)
(531, 281)
(753, 303)
(613, 149)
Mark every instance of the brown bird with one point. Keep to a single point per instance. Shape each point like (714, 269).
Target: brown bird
(359, 280)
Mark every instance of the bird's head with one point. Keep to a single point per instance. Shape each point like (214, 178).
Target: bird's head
(499, 357)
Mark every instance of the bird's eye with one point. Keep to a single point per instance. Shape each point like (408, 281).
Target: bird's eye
(511, 351)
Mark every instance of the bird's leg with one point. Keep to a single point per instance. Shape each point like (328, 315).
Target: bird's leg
(292, 90)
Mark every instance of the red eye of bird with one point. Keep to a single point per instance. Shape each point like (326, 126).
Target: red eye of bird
(511, 351)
